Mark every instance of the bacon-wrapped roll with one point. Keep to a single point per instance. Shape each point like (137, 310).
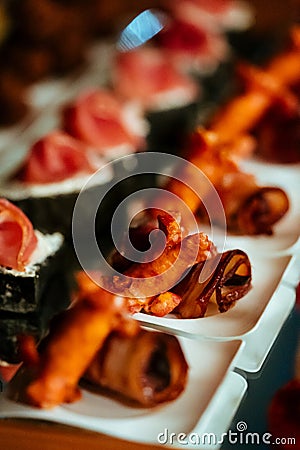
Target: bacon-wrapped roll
(148, 368)
(228, 278)
(53, 374)
(97, 340)
(230, 281)
(249, 208)
(149, 282)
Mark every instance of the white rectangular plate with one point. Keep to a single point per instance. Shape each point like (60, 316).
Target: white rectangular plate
(211, 385)
(267, 274)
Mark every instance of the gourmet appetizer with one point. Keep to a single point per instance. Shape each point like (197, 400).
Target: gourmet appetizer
(268, 107)
(53, 375)
(249, 208)
(147, 368)
(169, 283)
(31, 273)
(112, 127)
(144, 367)
(225, 14)
(230, 280)
(169, 97)
(48, 183)
(193, 44)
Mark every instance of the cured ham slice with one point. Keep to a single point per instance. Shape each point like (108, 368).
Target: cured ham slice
(7, 371)
(55, 157)
(147, 75)
(191, 45)
(101, 120)
(17, 237)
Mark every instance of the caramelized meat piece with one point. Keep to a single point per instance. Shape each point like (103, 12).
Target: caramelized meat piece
(230, 280)
(148, 368)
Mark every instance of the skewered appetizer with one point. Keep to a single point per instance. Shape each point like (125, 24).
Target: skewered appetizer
(148, 368)
(32, 271)
(194, 36)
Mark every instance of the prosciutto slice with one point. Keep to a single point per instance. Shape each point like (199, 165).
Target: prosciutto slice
(192, 46)
(55, 157)
(17, 237)
(99, 119)
(146, 75)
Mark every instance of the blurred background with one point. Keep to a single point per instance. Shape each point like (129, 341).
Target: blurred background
(42, 37)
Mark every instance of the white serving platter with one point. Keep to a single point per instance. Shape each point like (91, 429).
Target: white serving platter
(207, 404)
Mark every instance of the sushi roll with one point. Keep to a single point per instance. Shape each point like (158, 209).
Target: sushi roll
(50, 179)
(31, 275)
(169, 97)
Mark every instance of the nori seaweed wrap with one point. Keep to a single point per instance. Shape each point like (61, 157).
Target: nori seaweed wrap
(29, 299)
(34, 284)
